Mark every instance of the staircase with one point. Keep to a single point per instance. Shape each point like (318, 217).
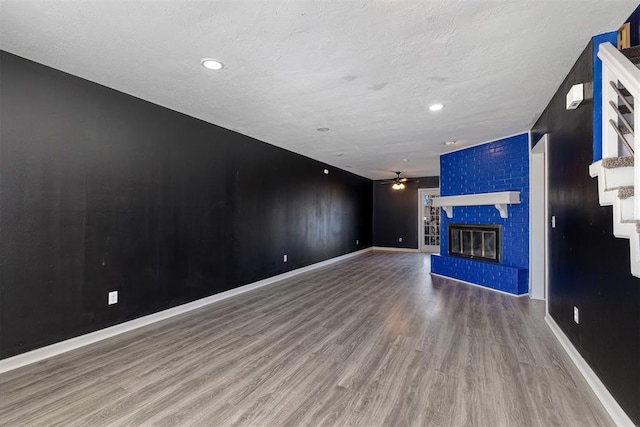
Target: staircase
(617, 176)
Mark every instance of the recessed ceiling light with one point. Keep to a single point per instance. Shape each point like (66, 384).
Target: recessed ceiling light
(212, 64)
(450, 142)
(405, 160)
(436, 107)
(323, 129)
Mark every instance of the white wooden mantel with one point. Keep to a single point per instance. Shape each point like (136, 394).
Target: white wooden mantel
(500, 200)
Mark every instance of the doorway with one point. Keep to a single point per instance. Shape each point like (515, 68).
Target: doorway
(428, 220)
(538, 215)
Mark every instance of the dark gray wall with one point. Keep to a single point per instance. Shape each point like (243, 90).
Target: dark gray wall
(589, 267)
(102, 191)
(395, 213)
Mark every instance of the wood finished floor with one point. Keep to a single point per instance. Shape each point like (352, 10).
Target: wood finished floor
(372, 341)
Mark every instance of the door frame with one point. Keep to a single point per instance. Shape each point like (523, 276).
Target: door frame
(435, 191)
(539, 251)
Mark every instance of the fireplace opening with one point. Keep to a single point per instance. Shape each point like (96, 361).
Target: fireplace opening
(475, 241)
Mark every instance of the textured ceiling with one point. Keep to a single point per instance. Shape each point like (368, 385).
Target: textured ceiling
(368, 70)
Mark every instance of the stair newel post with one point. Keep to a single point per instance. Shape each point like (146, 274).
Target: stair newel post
(609, 135)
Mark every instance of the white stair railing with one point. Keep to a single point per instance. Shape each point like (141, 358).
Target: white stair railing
(618, 69)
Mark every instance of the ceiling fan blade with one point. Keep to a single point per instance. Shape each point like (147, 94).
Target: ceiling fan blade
(403, 180)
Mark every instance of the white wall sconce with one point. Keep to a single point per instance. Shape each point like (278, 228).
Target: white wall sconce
(575, 96)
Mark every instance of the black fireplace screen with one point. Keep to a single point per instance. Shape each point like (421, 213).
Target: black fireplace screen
(475, 241)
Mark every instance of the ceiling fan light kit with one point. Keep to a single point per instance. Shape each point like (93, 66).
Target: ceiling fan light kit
(398, 183)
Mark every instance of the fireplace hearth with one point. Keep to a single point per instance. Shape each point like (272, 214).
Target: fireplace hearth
(475, 241)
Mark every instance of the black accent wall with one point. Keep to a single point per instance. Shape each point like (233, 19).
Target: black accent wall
(634, 26)
(103, 191)
(395, 212)
(589, 267)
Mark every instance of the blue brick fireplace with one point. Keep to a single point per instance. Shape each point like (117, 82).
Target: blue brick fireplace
(497, 166)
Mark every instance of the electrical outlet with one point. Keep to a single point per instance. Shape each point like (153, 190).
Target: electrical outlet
(399, 239)
(576, 315)
(285, 258)
(357, 242)
(553, 221)
(113, 297)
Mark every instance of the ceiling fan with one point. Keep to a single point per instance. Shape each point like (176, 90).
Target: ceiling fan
(398, 182)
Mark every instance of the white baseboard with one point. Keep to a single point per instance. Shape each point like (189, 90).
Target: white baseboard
(90, 338)
(616, 413)
(390, 249)
(480, 286)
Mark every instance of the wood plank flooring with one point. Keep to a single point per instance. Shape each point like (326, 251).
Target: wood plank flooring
(371, 341)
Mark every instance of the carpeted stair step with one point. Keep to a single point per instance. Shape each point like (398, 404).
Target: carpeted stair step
(633, 53)
(625, 192)
(623, 90)
(637, 222)
(625, 195)
(619, 172)
(623, 130)
(624, 109)
(617, 162)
